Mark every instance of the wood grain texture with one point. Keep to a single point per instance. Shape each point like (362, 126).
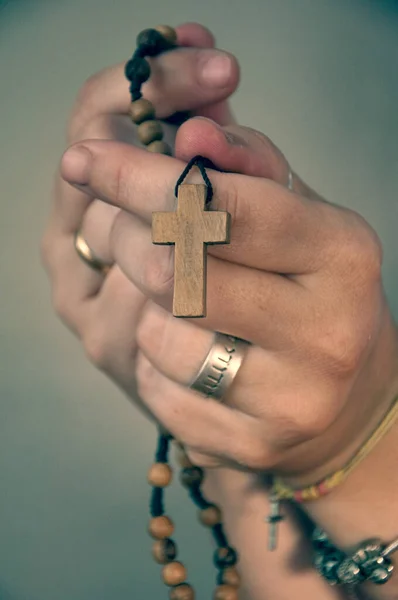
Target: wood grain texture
(190, 229)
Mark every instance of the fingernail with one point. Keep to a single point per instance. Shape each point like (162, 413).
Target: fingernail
(215, 68)
(234, 139)
(75, 165)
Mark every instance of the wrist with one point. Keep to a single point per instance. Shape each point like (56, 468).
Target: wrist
(365, 506)
(369, 401)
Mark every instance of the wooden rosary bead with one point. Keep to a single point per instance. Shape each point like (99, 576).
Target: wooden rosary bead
(174, 573)
(164, 551)
(161, 527)
(225, 592)
(182, 592)
(160, 147)
(167, 32)
(191, 476)
(160, 475)
(152, 42)
(182, 458)
(210, 516)
(230, 576)
(141, 110)
(137, 69)
(225, 557)
(150, 131)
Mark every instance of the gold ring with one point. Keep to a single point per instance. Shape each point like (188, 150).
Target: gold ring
(88, 256)
(220, 366)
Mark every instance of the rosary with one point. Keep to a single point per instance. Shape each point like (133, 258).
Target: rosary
(190, 229)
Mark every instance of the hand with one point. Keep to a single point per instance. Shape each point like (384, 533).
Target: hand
(91, 306)
(106, 312)
(301, 280)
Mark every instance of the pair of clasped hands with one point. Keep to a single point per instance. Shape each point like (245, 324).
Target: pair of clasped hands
(300, 280)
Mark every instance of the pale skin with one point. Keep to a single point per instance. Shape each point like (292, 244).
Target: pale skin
(300, 280)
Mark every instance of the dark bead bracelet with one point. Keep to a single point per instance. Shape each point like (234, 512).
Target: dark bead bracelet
(370, 561)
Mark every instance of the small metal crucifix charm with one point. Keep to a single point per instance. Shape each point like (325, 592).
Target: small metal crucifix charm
(191, 227)
(273, 520)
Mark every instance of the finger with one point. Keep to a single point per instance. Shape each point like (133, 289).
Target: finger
(219, 112)
(230, 287)
(237, 149)
(192, 34)
(185, 79)
(288, 402)
(196, 35)
(109, 332)
(272, 228)
(217, 429)
(232, 148)
(75, 284)
(95, 232)
(177, 349)
(70, 204)
(74, 211)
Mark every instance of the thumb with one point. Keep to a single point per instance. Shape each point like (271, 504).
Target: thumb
(238, 149)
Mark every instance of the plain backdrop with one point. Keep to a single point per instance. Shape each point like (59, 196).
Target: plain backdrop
(319, 77)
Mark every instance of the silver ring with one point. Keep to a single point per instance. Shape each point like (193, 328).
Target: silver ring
(220, 366)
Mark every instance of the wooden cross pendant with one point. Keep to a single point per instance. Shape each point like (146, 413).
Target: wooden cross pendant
(190, 228)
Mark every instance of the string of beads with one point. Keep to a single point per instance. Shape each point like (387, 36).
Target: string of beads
(283, 491)
(152, 42)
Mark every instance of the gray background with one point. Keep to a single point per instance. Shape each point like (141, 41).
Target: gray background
(320, 77)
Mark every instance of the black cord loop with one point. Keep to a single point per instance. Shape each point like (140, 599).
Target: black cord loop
(202, 163)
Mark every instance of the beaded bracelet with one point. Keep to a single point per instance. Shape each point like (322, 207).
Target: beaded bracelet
(152, 42)
(369, 562)
(282, 491)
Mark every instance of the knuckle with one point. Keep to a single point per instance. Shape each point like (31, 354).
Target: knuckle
(151, 329)
(306, 425)
(97, 349)
(343, 336)
(62, 306)
(361, 253)
(303, 417)
(235, 204)
(205, 461)
(275, 163)
(371, 253)
(88, 89)
(158, 272)
(255, 454)
(99, 127)
(122, 183)
(144, 372)
(341, 347)
(82, 105)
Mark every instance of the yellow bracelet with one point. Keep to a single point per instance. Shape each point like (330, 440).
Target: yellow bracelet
(282, 491)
